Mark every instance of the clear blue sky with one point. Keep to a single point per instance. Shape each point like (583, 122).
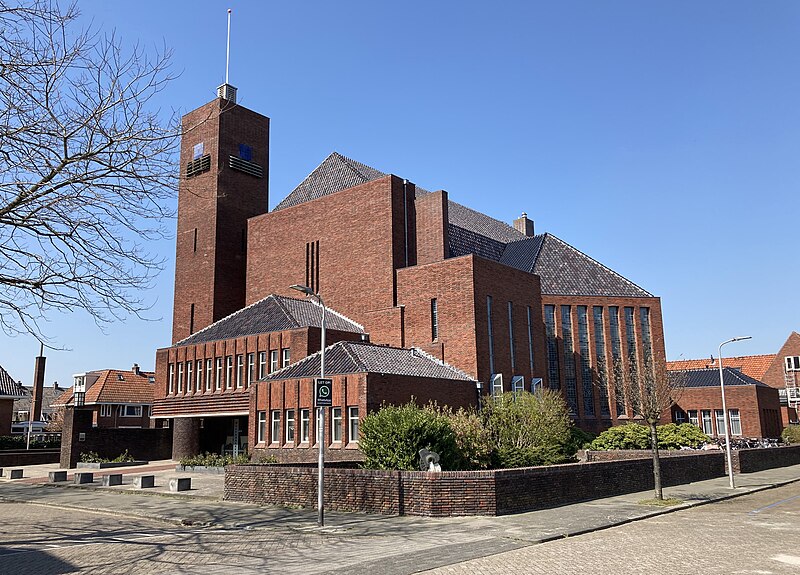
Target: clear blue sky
(662, 139)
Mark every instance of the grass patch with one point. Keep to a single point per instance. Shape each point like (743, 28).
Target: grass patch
(667, 502)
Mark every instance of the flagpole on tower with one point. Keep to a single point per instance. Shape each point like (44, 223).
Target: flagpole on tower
(226, 91)
(228, 51)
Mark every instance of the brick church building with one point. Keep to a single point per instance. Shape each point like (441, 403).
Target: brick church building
(426, 298)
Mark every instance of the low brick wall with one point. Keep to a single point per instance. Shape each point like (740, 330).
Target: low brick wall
(458, 493)
(751, 460)
(18, 457)
(625, 454)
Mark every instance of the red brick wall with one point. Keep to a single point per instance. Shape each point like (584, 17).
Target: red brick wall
(355, 228)
(432, 227)
(217, 203)
(775, 374)
(750, 400)
(460, 493)
(6, 414)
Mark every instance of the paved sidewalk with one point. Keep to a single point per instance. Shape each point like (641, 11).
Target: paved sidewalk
(523, 528)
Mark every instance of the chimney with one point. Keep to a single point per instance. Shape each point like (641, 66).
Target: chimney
(38, 385)
(524, 225)
(135, 369)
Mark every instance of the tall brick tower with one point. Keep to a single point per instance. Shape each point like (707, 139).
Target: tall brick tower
(224, 181)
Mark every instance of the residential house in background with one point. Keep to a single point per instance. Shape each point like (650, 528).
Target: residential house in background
(10, 391)
(22, 408)
(116, 398)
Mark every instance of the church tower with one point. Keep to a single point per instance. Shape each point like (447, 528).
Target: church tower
(224, 181)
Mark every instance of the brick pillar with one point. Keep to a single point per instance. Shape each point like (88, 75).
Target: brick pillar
(38, 388)
(185, 437)
(75, 422)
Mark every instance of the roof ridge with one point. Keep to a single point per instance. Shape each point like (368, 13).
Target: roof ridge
(352, 356)
(441, 362)
(350, 161)
(306, 359)
(285, 310)
(623, 278)
(237, 312)
(506, 224)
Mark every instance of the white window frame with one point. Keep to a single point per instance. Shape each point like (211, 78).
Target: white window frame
(719, 416)
(251, 368)
(239, 371)
(262, 364)
(536, 383)
(275, 426)
(693, 419)
(336, 424)
(218, 375)
(792, 362)
(735, 421)
(189, 376)
(170, 378)
(262, 426)
(180, 377)
(680, 417)
(124, 408)
(198, 384)
(228, 372)
(305, 420)
(273, 360)
(517, 383)
(497, 384)
(290, 429)
(209, 374)
(106, 410)
(706, 424)
(285, 357)
(352, 424)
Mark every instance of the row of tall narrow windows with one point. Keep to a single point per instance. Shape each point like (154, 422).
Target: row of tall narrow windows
(293, 428)
(562, 368)
(702, 419)
(512, 347)
(229, 372)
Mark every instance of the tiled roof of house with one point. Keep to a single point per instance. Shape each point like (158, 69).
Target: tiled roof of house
(754, 366)
(564, 269)
(356, 357)
(49, 396)
(273, 313)
(115, 386)
(9, 387)
(710, 377)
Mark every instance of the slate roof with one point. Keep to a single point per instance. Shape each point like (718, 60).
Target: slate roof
(9, 387)
(710, 377)
(754, 366)
(273, 313)
(115, 386)
(49, 396)
(564, 269)
(347, 357)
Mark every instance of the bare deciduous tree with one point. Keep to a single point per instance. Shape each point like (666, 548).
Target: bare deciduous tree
(650, 390)
(87, 167)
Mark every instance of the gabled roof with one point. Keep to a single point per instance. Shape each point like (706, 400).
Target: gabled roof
(115, 386)
(347, 357)
(566, 270)
(754, 366)
(273, 313)
(49, 396)
(9, 387)
(710, 378)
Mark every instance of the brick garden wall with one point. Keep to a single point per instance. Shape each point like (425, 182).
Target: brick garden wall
(146, 444)
(28, 457)
(750, 460)
(458, 493)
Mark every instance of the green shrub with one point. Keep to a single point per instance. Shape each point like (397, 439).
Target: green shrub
(92, 457)
(791, 433)
(635, 436)
(214, 460)
(578, 439)
(529, 428)
(123, 458)
(628, 436)
(392, 437)
(20, 442)
(474, 444)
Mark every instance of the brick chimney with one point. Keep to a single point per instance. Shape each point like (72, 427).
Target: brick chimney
(38, 386)
(135, 369)
(524, 225)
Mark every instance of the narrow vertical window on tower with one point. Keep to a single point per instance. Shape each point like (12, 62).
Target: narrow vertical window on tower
(434, 320)
(491, 338)
(511, 336)
(316, 271)
(194, 243)
(191, 319)
(530, 339)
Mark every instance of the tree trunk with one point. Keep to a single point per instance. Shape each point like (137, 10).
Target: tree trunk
(656, 460)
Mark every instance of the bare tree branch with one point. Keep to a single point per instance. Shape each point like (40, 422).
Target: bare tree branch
(87, 168)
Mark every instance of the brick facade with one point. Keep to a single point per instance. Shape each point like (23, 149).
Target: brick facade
(776, 375)
(6, 414)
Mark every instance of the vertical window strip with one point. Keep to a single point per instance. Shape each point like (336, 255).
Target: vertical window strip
(586, 365)
(491, 338)
(308, 264)
(191, 319)
(530, 339)
(616, 359)
(553, 371)
(199, 375)
(316, 278)
(570, 382)
(633, 364)
(209, 371)
(600, 358)
(434, 320)
(511, 336)
(171, 378)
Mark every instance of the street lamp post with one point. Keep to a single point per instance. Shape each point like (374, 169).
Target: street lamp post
(320, 410)
(725, 417)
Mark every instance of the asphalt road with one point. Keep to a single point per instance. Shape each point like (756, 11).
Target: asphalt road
(756, 533)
